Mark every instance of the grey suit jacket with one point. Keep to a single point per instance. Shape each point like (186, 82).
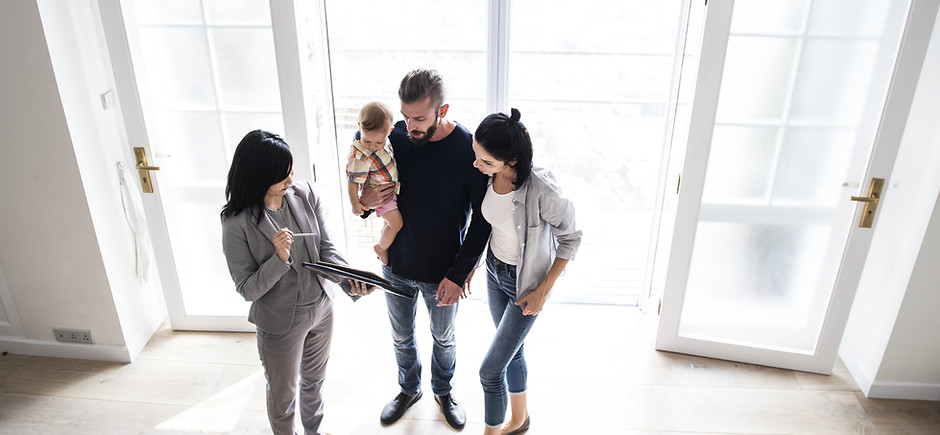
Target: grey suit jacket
(261, 277)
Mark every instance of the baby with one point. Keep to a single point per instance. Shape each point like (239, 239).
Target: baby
(370, 159)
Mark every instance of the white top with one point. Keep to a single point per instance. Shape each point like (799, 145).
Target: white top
(498, 211)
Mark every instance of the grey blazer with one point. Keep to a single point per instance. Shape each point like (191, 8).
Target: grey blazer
(261, 277)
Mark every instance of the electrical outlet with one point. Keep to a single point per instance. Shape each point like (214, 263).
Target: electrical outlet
(73, 336)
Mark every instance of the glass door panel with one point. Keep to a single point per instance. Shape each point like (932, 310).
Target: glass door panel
(372, 44)
(800, 99)
(206, 74)
(595, 87)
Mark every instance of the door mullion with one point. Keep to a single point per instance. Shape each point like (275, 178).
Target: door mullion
(498, 44)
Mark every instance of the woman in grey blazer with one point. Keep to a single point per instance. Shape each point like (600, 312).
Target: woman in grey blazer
(290, 306)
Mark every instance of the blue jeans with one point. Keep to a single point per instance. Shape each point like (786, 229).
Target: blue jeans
(504, 365)
(401, 314)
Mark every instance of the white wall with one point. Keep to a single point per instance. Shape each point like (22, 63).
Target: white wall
(65, 246)
(913, 353)
(83, 73)
(890, 335)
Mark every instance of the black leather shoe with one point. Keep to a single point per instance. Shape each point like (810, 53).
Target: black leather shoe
(397, 407)
(454, 414)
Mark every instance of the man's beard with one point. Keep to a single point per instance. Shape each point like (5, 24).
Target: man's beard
(427, 135)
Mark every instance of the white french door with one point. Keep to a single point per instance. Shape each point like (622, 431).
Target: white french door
(192, 78)
(797, 106)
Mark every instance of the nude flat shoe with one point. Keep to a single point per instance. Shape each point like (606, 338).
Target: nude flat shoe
(521, 429)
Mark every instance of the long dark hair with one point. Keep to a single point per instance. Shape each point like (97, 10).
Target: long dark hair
(261, 160)
(507, 139)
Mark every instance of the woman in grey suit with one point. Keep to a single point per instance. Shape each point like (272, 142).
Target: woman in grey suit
(290, 306)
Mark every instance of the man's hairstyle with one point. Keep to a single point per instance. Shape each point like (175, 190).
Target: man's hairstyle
(375, 116)
(420, 84)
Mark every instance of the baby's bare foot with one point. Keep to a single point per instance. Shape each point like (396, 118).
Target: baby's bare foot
(381, 253)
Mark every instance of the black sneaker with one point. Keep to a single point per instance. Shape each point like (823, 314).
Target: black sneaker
(454, 414)
(397, 407)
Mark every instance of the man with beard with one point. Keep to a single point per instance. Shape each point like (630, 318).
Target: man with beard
(436, 250)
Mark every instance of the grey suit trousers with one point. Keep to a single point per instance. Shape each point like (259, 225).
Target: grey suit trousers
(300, 352)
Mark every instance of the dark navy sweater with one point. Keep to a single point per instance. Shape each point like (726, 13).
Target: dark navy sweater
(440, 189)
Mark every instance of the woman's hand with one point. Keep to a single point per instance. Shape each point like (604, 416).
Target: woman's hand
(533, 302)
(466, 285)
(360, 288)
(282, 241)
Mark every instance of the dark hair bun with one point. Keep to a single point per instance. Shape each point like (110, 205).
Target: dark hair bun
(515, 115)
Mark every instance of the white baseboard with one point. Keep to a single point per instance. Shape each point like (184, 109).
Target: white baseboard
(99, 352)
(885, 390)
(904, 390)
(145, 332)
(858, 372)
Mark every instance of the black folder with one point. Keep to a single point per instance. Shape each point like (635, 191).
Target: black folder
(337, 273)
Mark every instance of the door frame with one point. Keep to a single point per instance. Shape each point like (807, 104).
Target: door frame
(912, 50)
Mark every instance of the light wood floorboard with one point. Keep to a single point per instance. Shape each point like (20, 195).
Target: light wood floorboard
(592, 370)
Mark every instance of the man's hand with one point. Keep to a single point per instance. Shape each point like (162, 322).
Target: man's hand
(448, 293)
(373, 197)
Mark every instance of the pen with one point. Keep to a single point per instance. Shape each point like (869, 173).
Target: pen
(303, 234)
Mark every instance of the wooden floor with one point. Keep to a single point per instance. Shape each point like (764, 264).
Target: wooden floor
(593, 370)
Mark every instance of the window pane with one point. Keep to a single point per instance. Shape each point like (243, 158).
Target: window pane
(739, 164)
(812, 167)
(177, 67)
(831, 74)
(238, 12)
(167, 12)
(236, 125)
(852, 17)
(601, 26)
(202, 270)
(247, 68)
(760, 69)
(756, 284)
(593, 84)
(418, 26)
(591, 77)
(372, 44)
(768, 17)
(190, 147)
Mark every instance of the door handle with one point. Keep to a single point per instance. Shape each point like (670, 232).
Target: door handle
(143, 169)
(870, 201)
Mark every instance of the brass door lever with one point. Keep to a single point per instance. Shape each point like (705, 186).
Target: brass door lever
(143, 169)
(870, 201)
